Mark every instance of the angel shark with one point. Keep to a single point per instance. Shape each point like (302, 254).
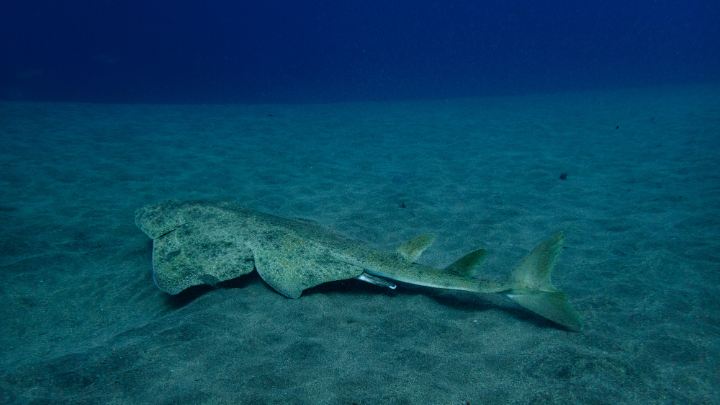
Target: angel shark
(205, 242)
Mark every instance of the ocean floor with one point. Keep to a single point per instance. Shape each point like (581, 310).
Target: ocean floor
(82, 322)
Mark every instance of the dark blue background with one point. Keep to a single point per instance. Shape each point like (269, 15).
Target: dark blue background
(184, 51)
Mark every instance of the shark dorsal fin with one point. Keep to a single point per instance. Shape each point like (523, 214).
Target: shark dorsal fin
(412, 249)
(467, 265)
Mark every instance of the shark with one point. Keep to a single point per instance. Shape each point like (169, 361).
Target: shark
(207, 242)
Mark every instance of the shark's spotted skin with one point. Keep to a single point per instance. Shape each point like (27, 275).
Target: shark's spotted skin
(197, 239)
(205, 242)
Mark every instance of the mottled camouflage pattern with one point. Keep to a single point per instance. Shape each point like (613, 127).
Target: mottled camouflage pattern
(205, 242)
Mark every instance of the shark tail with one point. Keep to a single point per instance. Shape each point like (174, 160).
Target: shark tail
(531, 286)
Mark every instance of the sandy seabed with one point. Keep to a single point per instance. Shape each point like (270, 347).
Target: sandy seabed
(82, 322)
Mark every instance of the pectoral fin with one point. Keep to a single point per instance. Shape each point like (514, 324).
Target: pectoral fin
(190, 255)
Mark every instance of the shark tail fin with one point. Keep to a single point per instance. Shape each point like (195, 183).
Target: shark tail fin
(531, 286)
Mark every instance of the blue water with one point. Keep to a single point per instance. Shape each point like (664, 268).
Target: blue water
(332, 51)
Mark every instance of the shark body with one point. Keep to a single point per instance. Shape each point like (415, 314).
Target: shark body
(205, 242)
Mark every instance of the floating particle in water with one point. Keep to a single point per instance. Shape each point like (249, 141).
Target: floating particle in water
(398, 178)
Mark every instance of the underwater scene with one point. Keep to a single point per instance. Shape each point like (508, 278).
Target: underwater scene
(286, 202)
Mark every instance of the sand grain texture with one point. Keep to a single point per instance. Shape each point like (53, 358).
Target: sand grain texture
(82, 321)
